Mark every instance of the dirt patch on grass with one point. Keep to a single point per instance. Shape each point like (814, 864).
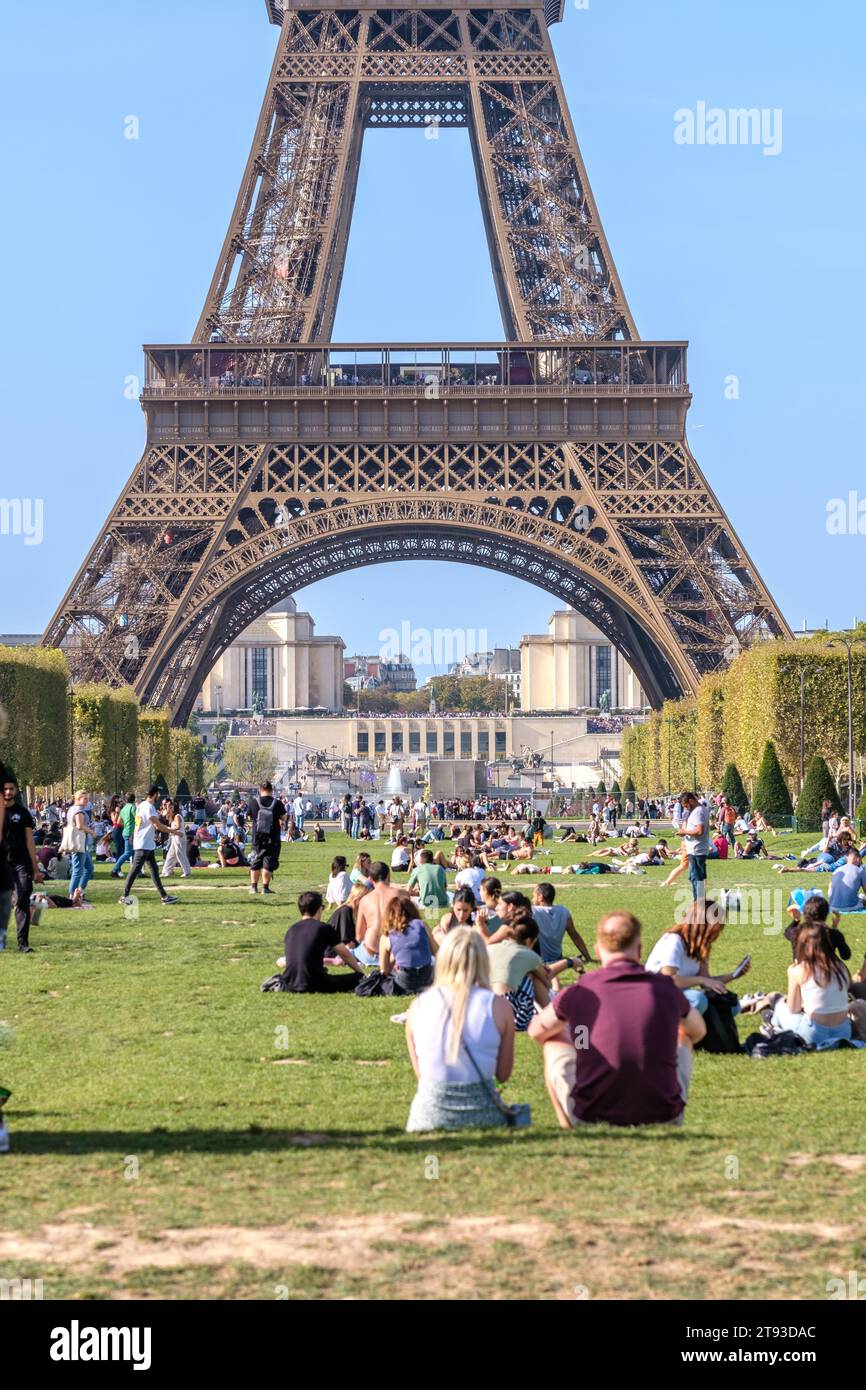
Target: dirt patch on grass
(849, 1163)
(417, 1255)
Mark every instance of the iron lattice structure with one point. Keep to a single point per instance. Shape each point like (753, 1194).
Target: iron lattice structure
(274, 457)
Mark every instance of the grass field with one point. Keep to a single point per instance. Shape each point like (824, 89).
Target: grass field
(176, 1133)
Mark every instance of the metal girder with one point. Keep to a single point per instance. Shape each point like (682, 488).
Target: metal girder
(594, 497)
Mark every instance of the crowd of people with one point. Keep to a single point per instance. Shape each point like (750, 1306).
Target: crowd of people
(434, 921)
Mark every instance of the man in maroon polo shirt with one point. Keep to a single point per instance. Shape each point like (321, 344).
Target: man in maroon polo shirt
(618, 1044)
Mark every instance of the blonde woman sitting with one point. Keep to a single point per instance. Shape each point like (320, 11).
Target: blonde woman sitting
(460, 1036)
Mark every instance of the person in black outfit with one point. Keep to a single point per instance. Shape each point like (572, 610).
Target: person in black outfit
(266, 814)
(7, 880)
(20, 849)
(308, 941)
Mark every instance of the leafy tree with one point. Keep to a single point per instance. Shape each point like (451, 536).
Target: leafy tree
(861, 810)
(163, 785)
(818, 787)
(616, 791)
(771, 794)
(629, 788)
(249, 761)
(220, 730)
(733, 789)
(182, 791)
(601, 789)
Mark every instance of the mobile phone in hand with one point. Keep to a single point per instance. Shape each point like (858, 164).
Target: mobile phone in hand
(744, 963)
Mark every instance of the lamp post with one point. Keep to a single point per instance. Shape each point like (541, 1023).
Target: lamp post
(802, 725)
(669, 723)
(848, 643)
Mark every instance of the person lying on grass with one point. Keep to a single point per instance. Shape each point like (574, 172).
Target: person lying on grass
(624, 1012)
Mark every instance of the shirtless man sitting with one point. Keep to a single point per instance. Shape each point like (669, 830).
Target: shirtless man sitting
(371, 912)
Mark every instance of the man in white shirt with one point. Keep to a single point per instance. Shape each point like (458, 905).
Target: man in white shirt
(298, 811)
(147, 822)
(695, 833)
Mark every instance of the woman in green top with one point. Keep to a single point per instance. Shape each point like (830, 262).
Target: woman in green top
(127, 823)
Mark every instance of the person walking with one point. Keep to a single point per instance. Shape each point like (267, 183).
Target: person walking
(20, 851)
(127, 825)
(147, 822)
(176, 856)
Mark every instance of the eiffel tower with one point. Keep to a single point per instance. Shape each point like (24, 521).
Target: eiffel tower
(275, 457)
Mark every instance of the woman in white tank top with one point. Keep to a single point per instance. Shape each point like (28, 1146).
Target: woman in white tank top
(460, 1036)
(817, 1004)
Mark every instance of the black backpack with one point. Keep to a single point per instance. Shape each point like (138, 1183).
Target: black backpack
(264, 820)
(721, 1035)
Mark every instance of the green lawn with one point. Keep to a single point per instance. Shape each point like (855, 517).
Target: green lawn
(177, 1133)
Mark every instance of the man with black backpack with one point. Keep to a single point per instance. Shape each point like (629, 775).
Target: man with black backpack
(266, 813)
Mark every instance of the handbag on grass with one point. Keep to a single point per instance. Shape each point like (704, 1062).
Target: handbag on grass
(517, 1116)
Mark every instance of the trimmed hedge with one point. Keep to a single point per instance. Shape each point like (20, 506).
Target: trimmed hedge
(154, 746)
(34, 692)
(818, 787)
(104, 727)
(771, 794)
(733, 789)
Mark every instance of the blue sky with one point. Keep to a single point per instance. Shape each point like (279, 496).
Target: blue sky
(757, 260)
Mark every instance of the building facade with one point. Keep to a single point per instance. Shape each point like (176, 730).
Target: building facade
(574, 666)
(277, 663)
(576, 746)
(375, 673)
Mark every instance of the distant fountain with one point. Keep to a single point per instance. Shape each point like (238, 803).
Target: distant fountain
(394, 782)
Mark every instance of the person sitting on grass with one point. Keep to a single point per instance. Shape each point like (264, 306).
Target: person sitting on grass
(307, 943)
(460, 1035)
(554, 921)
(344, 918)
(471, 875)
(406, 947)
(517, 970)
(230, 855)
(816, 1006)
(682, 952)
(339, 883)
(428, 881)
(618, 1043)
(400, 855)
(460, 914)
(487, 917)
(810, 911)
(370, 913)
(846, 885)
(361, 870)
